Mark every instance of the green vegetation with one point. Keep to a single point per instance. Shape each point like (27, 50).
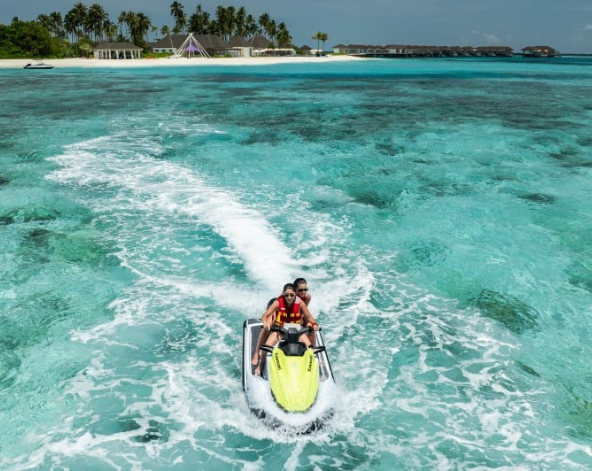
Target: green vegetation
(25, 39)
(320, 37)
(74, 34)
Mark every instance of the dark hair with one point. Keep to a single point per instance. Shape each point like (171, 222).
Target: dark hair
(297, 281)
(288, 286)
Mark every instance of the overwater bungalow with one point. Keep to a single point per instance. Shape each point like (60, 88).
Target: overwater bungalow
(358, 49)
(540, 51)
(406, 50)
(495, 51)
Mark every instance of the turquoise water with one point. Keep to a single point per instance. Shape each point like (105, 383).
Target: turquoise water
(440, 210)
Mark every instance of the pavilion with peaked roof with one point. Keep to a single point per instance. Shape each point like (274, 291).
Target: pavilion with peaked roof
(191, 47)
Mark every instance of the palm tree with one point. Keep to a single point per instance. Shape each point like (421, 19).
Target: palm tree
(82, 16)
(139, 27)
(77, 20)
(272, 30)
(108, 28)
(324, 37)
(251, 27)
(130, 24)
(165, 31)
(230, 22)
(122, 20)
(283, 36)
(199, 22)
(320, 36)
(179, 15)
(70, 25)
(225, 21)
(144, 25)
(240, 21)
(111, 32)
(57, 24)
(44, 21)
(95, 20)
(264, 21)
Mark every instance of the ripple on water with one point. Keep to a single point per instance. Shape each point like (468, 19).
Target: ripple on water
(28, 215)
(422, 253)
(541, 198)
(9, 363)
(506, 309)
(580, 275)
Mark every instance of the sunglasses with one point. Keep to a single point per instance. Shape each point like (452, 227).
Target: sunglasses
(302, 289)
(289, 295)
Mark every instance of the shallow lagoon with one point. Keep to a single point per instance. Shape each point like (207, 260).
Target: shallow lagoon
(438, 208)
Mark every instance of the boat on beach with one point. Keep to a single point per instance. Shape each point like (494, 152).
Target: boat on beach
(38, 65)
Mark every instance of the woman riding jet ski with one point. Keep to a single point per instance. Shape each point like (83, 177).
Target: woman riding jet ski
(296, 387)
(286, 308)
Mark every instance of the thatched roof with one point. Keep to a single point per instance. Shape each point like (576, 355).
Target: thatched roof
(544, 49)
(239, 41)
(260, 42)
(211, 41)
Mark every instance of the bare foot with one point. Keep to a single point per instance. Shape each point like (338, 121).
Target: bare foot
(255, 360)
(258, 371)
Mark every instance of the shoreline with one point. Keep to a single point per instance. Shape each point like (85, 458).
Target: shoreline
(179, 62)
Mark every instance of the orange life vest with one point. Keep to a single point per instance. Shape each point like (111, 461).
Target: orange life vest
(290, 314)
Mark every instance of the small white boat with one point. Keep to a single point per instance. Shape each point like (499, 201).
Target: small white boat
(38, 65)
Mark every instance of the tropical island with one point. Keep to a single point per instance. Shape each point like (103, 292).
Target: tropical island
(88, 32)
(80, 30)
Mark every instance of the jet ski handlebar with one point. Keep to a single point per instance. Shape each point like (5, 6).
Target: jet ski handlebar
(291, 328)
(291, 335)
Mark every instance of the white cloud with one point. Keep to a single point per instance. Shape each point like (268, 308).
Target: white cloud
(492, 38)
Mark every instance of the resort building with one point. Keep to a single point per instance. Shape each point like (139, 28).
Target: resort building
(109, 50)
(405, 50)
(306, 50)
(217, 46)
(540, 51)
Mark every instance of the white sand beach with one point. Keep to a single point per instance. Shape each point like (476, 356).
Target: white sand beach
(169, 62)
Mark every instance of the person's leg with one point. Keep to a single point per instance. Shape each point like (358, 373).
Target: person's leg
(272, 339)
(312, 337)
(262, 336)
(305, 340)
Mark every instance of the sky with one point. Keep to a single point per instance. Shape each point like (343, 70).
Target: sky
(565, 25)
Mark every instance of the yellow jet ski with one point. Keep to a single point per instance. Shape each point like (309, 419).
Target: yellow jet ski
(297, 389)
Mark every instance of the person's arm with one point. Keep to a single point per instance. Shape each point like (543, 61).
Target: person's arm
(309, 320)
(308, 299)
(267, 317)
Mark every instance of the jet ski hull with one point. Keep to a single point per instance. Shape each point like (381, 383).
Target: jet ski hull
(258, 392)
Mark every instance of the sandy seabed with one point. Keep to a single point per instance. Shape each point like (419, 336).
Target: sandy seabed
(170, 62)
